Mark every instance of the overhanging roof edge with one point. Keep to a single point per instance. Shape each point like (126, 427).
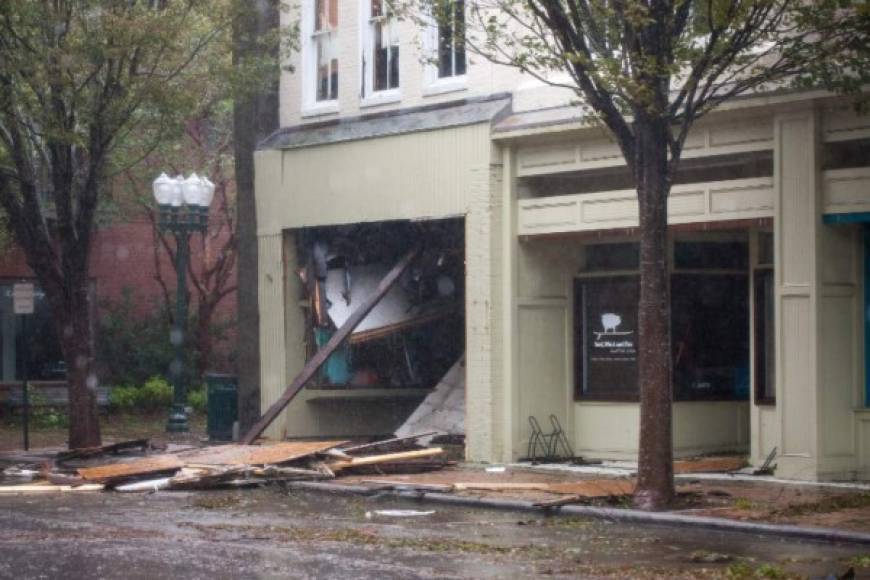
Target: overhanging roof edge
(397, 122)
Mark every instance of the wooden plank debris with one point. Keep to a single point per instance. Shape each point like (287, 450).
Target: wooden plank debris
(48, 488)
(140, 467)
(588, 489)
(710, 465)
(113, 448)
(336, 466)
(321, 356)
(386, 443)
(281, 452)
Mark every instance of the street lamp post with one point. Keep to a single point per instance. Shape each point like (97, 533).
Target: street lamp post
(183, 211)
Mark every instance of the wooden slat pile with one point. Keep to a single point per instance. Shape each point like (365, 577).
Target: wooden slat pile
(236, 465)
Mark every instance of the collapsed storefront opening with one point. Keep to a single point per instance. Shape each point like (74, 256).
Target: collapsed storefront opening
(412, 339)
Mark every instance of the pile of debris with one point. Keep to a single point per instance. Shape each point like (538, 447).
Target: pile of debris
(221, 466)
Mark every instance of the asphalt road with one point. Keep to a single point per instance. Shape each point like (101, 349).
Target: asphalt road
(274, 533)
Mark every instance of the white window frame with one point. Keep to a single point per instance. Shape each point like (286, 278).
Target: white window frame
(433, 84)
(310, 105)
(371, 97)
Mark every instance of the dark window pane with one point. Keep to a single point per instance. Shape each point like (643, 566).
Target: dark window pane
(607, 337)
(459, 39)
(711, 255)
(765, 248)
(445, 48)
(394, 67)
(847, 154)
(377, 9)
(381, 58)
(765, 365)
(604, 257)
(333, 79)
(710, 336)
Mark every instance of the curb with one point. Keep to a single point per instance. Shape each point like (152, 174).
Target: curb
(611, 514)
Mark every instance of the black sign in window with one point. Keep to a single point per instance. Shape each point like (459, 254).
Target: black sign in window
(606, 312)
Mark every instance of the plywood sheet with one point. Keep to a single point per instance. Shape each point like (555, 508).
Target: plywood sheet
(115, 471)
(710, 465)
(257, 454)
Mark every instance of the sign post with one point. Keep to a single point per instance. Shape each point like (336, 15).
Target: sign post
(22, 304)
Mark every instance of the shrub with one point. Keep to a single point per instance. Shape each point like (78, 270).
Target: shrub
(154, 395)
(197, 399)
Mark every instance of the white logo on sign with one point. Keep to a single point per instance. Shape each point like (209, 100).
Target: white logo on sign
(610, 323)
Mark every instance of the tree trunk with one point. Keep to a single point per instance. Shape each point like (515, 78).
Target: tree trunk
(253, 118)
(655, 485)
(73, 325)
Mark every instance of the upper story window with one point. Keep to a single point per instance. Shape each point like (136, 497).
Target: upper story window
(381, 48)
(326, 42)
(323, 51)
(450, 19)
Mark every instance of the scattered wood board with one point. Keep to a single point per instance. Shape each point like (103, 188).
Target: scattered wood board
(710, 465)
(48, 488)
(118, 471)
(257, 454)
(386, 458)
(592, 488)
(114, 448)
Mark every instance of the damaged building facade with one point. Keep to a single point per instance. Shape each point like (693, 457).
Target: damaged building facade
(523, 300)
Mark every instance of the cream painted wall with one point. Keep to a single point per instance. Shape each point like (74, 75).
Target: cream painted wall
(606, 430)
(428, 174)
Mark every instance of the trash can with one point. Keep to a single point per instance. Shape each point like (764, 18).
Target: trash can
(223, 407)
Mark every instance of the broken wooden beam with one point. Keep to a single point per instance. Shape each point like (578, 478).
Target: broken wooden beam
(386, 442)
(321, 356)
(386, 458)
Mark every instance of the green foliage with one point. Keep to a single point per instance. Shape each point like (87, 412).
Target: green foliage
(197, 399)
(154, 395)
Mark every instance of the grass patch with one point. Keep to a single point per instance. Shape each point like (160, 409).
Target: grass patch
(862, 561)
(742, 503)
(826, 505)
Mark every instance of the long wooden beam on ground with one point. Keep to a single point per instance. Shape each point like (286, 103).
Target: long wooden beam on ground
(320, 357)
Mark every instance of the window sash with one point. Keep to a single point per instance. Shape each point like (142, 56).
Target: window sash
(449, 29)
(383, 50)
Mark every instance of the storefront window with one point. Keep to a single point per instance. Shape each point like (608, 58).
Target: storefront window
(710, 336)
(709, 323)
(40, 343)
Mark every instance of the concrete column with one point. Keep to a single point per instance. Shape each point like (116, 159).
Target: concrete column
(797, 223)
(509, 256)
(273, 370)
(483, 373)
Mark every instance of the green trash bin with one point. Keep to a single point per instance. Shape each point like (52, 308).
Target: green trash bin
(223, 407)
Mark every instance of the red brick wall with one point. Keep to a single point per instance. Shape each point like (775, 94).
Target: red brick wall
(122, 256)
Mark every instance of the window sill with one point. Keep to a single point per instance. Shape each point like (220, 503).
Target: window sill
(326, 108)
(381, 98)
(446, 85)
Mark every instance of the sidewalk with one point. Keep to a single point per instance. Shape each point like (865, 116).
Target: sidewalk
(837, 506)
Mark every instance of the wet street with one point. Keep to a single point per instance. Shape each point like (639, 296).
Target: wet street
(274, 533)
